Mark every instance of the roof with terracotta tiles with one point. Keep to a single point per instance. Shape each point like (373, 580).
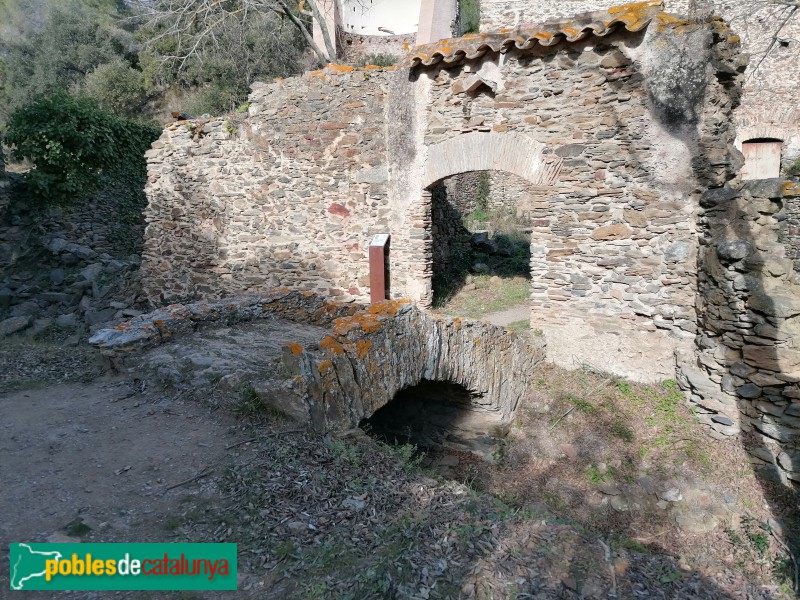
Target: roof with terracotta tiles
(632, 17)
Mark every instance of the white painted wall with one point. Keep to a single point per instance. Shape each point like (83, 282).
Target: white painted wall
(365, 16)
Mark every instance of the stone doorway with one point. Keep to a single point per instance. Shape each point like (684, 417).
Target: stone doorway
(482, 223)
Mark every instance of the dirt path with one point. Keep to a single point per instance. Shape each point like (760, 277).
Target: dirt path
(514, 314)
(104, 453)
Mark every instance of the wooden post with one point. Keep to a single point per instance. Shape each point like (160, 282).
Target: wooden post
(379, 268)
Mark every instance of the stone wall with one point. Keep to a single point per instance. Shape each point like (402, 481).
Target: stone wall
(769, 105)
(290, 195)
(501, 14)
(746, 372)
(451, 240)
(790, 230)
(354, 48)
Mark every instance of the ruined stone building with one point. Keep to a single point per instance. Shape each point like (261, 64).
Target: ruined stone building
(648, 253)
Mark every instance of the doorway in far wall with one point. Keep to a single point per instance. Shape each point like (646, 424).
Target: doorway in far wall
(762, 158)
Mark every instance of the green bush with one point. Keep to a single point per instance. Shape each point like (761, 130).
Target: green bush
(214, 99)
(51, 46)
(117, 87)
(470, 16)
(71, 142)
(793, 170)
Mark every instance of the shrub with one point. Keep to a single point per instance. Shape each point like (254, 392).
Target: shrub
(793, 170)
(470, 16)
(71, 142)
(117, 87)
(378, 60)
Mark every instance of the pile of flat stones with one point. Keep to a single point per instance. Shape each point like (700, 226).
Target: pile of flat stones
(83, 290)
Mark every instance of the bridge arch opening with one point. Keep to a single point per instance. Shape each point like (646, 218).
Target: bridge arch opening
(437, 414)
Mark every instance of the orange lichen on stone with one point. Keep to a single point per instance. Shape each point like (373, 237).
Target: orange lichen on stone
(295, 349)
(666, 21)
(325, 366)
(634, 8)
(159, 323)
(363, 347)
(368, 321)
(791, 188)
(332, 345)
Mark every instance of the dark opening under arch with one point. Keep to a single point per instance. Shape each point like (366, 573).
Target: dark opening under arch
(432, 414)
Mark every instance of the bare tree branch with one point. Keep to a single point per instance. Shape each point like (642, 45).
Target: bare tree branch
(190, 25)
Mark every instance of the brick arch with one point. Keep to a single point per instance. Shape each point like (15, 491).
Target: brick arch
(513, 152)
(762, 131)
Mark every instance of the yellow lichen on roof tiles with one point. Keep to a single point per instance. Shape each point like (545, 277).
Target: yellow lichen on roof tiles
(633, 17)
(634, 7)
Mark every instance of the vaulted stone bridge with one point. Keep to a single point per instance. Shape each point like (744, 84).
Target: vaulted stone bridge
(352, 363)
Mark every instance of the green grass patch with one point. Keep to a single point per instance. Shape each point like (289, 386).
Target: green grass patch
(517, 326)
(488, 297)
(582, 405)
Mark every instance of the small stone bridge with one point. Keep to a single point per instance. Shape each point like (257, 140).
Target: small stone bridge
(362, 357)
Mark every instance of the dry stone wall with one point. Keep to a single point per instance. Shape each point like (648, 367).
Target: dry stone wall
(746, 372)
(623, 134)
(289, 195)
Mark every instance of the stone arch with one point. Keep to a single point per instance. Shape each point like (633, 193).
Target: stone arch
(513, 152)
(761, 131)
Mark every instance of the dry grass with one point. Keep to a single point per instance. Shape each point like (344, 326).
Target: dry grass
(327, 517)
(582, 432)
(486, 294)
(35, 361)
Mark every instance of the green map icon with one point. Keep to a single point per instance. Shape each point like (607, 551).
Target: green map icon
(27, 564)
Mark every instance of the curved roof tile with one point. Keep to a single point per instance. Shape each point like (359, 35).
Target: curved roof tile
(633, 17)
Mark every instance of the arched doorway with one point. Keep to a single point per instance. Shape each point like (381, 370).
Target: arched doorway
(480, 192)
